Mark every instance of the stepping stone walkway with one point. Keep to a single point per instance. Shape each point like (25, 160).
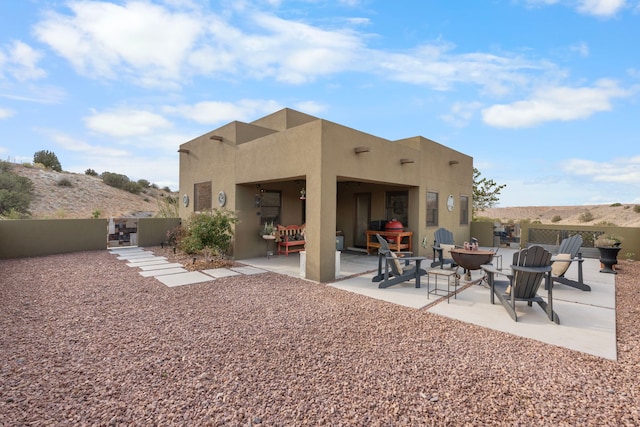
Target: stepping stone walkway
(171, 273)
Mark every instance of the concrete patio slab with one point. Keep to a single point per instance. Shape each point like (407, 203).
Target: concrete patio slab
(163, 272)
(181, 279)
(220, 272)
(587, 319)
(248, 270)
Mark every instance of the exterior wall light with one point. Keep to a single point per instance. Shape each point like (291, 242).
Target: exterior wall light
(453, 162)
(359, 150)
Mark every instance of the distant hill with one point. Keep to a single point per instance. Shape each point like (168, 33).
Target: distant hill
(84, 196)
(624, 215)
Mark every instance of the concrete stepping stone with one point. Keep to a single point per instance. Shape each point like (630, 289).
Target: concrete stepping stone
(160, 266)
(147, 261)
(220, 272)
(163, 272)
(184, 278)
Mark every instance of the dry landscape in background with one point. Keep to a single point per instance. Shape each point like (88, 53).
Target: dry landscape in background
(88, 194)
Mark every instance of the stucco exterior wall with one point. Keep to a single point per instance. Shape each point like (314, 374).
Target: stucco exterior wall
(303, 151)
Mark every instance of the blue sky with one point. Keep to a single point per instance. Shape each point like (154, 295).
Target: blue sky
(543, 94)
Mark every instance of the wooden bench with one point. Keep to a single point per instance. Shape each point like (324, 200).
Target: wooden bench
(290, 238)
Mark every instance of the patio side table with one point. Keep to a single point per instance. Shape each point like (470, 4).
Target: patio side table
(450, 275)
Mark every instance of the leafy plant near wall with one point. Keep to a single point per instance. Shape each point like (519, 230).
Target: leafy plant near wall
(209, 230)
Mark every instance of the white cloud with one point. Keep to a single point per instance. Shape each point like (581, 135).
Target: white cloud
(622, 170)
(216, 112)
(603, 8)
(20, 61)
(436, 65)
(5, 113)
(311, 107)
(461, 113)
(126, 122)
(69, 143)
(143, 40)
(554, 104)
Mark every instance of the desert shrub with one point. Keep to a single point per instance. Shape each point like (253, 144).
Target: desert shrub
(166, 188)
(16, 192)
(133, 187)
(615, 205)
(209, 230)
(556, 218)
(122, 182)
(636, 208)
(144, 183)
(167, 207)
(605, 224)
(64, 182)
(47, 158)
(586, 216)
(96, 214)
(91, 172)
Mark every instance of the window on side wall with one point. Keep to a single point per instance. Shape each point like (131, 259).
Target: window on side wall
(202, 196)
(432, 209)
(270, 207)
(464, 210)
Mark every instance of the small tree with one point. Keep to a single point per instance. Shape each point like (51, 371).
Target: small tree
(91, 172)
(16, 192)
(485, 192)
(47, 158)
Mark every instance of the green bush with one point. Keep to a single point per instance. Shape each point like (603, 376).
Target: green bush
(144, 183)
(615, 205)
(209, 230)
(47, 158)
(586, 216)
(556, 218)
(636, 208)
(16, 192)
(122, 182)
(64, 182)
(91, 172)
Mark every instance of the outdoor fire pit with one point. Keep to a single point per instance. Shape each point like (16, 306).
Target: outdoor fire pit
(471, 259)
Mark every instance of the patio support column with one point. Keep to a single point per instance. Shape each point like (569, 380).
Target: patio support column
(321, 227)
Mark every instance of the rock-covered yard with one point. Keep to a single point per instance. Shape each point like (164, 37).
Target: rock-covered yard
(88, 341)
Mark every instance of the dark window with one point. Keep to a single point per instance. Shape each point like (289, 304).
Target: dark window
(202, 196)
(432, 209)
(464, 210)
(397, 206)
(270, 207)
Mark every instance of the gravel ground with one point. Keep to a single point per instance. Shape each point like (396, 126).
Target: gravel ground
(88, 341)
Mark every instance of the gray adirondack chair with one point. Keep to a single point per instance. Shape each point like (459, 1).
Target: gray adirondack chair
(398, 266)
(530, 267)
(442, 236)
(570, 248)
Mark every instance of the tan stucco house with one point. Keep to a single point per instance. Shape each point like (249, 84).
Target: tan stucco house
(293, 168)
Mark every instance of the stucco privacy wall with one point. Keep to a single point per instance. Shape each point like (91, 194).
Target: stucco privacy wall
(291, 149)
(38, 237)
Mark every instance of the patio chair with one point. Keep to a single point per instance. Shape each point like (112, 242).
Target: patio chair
(394, 271)
(442, 245)
(530, 266)
(568, 252)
